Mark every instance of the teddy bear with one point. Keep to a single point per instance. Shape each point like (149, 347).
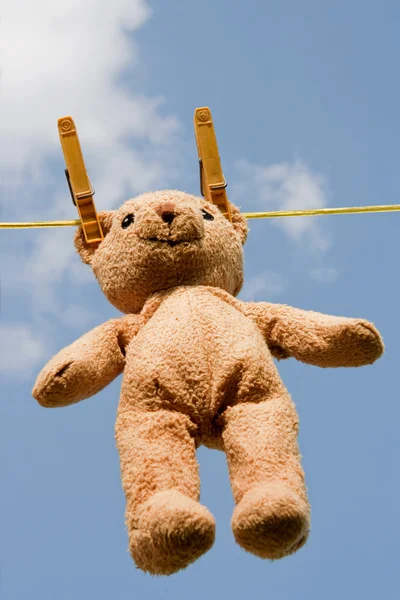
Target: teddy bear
(198, 369)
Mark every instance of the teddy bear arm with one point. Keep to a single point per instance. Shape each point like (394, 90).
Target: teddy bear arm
(315, 338)
(262, 313)
(83, 368)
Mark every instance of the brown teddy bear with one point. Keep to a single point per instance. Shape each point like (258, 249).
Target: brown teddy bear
(198, 369)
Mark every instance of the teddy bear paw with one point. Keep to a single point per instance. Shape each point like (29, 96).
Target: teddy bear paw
(271, 521)
(172, 531)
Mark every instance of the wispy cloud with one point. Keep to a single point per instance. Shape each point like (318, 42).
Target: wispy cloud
(267, 284)
(325, 274)
(287, 186)
(21, 349)
(65, 57)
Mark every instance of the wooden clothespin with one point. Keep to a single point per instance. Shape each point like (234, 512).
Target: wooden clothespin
(212, 181)
(80, 186)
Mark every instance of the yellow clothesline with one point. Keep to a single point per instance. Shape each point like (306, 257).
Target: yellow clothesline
(313, 212)
(75, 222)
(256, 215)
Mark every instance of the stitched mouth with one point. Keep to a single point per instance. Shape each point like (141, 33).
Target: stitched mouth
(171, 243)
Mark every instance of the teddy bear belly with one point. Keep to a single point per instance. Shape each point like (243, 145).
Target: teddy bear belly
(198, 355)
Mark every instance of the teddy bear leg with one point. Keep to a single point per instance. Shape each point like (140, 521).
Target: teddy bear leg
(168, 529)
(272, 514)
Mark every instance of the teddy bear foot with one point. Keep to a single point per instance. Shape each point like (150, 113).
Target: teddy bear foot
(271, 521)
(172, 531)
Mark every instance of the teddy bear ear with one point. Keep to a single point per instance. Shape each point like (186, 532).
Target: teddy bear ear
(86, 251)
(239, 223)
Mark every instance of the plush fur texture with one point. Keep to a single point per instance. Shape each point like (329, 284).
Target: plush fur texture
(198, 369)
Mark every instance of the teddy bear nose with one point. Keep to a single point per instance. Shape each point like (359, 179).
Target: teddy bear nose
(168, 217)
(166, 211)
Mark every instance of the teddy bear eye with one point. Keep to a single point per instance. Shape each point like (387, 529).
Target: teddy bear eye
(206, 215)
(128, 220)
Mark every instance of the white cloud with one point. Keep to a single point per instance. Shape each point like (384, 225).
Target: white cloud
(64, 57)
(267, 284)
(67, 58)
(21, 349)
(286, 186)
(78, 317)
(324, 274)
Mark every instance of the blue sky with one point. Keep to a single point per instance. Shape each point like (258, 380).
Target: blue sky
(305, 99)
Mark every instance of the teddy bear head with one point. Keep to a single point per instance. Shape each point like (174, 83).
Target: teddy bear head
(161, 240)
